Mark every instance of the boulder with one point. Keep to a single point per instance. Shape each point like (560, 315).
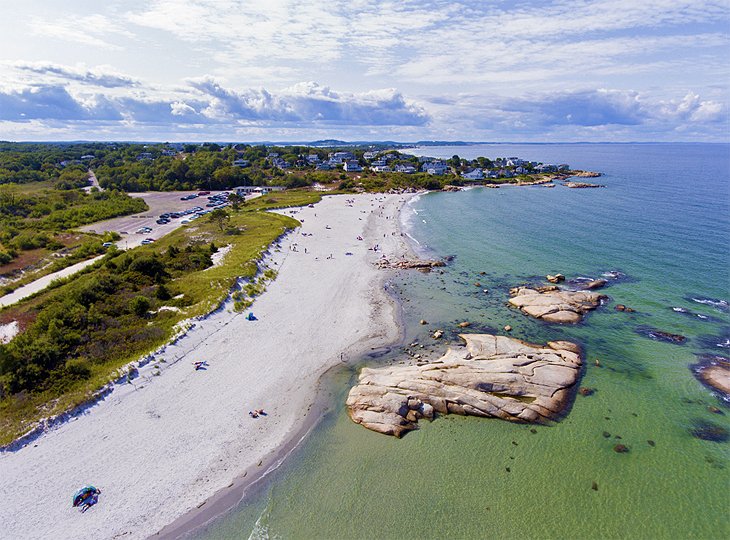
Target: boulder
(504, 378)
(551, 304)
(464, 324)
(595, 284)
(437, 334)
(557, 278)
(714, 372)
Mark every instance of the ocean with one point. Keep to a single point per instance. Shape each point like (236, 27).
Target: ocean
(660, 234)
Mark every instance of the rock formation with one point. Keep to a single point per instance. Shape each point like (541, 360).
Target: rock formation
(552, 304)
(714, 372)
(585, 174)
(495, 376)
(581, 185)
(409, 263)
(557, 278)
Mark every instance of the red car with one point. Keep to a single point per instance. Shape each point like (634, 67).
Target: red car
(201, 193)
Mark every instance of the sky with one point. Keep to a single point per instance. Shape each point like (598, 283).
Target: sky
(300, 70)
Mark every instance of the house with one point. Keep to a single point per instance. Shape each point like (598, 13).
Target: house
(520, 170)
(515, 162)
(474, 174)
(272, 155)
(369, 155)
(169, 153)
(87, 157)
(313, 158)
(406, 169)
(436, 168)
(352, 166)
(324, 166)
(145, 155)
(340, 157)
(563, 167)
(280, 163)
(242, 191)
(240, 163)
(378, 163)
(546, 168)
(381, 168)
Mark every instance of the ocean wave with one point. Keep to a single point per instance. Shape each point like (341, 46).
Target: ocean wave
(722, 305)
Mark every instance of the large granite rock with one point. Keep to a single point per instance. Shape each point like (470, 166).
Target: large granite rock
(495, 376)
(553, 304)
(714, 372)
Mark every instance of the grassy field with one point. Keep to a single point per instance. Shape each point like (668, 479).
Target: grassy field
(96, 359)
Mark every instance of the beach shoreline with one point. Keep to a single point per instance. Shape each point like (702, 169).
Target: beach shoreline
(187, 432)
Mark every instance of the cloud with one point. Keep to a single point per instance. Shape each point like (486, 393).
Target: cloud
(310, 103)
(301, 105)
(95, 78)
(582, 108)
(49, 102)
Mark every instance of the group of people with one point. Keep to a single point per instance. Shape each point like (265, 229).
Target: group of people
(256, 413)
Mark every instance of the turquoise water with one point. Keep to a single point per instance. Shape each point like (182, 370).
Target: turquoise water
(661, 230)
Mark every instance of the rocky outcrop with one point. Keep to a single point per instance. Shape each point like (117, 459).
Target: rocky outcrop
(714, 372)
(585, 174)
(581, 185)
(405, 264)
(557, 278)
(595, 284)
(449, 187)
(495, 376)
(553, 304)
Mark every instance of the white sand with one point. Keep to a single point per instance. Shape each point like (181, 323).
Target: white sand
(161, 446)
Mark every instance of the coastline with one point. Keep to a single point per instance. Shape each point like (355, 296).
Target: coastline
(187, 432)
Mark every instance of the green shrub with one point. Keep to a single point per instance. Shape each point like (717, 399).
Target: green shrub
(139, 305)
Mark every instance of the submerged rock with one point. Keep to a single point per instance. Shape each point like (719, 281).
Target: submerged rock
(552, 304)
(707, 431)
(505, 378)
(660, 335)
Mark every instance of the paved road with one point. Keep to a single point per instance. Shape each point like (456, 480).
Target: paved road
(41, 283)
(93, 182)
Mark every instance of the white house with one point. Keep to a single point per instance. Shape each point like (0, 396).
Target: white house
(381, 168)
(352, 166)
(436, 168)
(407, 169)
(240, 163)
(474, 174)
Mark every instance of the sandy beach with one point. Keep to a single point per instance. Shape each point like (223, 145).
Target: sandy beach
(163, 444)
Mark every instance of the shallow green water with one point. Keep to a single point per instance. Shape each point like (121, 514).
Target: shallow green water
(664, 222)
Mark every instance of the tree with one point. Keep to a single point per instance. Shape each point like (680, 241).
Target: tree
(220, 217)
(236, 201)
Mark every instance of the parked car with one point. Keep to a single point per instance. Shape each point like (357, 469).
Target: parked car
(162, 221)
(107, 244)
(201, 193)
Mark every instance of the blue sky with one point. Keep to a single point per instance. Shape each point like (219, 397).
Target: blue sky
(566, 70)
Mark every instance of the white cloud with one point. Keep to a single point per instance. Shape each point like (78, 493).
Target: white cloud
(103, 76)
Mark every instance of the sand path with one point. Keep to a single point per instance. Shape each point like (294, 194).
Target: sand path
(159, 447)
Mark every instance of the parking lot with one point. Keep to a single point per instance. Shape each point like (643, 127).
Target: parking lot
(159, 203)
